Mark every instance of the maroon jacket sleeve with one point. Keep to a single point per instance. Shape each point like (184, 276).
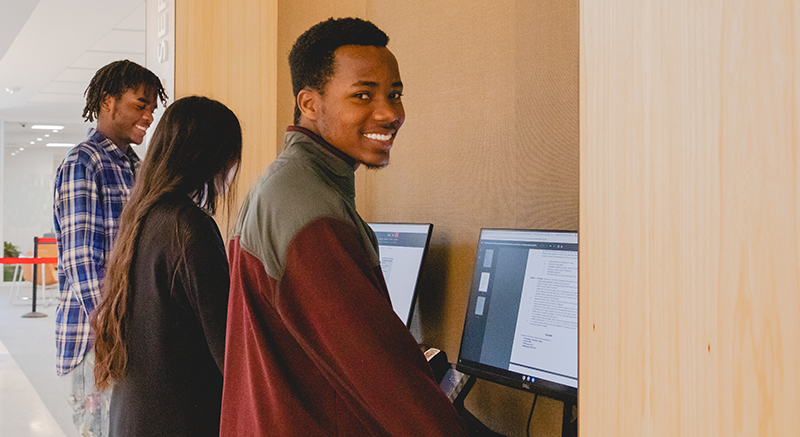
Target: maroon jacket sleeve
(335, 304)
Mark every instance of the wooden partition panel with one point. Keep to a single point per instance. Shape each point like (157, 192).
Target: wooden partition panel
(490, 140)
(491, 134)
(226, 50)
(690, 208)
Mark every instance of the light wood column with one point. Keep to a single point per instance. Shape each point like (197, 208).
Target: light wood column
(689, 217)
(227, 50)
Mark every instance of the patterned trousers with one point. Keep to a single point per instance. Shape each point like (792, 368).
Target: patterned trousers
(89, 407)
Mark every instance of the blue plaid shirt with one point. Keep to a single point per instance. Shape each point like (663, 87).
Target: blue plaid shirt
(92, 184)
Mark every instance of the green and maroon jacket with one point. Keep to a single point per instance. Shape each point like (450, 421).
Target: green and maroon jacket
(313, 346)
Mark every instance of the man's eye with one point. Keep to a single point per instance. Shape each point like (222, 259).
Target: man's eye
(362, 96)
(395, 96)
(140, 107)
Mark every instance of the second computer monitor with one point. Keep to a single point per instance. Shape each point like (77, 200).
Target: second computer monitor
(402, 251)
(521, 326)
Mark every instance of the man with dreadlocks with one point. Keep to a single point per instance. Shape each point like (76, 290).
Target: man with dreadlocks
(91, 185)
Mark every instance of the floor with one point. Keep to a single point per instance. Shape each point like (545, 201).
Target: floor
(31, 400)
(32, 403)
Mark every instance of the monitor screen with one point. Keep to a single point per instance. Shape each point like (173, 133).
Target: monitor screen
(521, 327)
(402, 248)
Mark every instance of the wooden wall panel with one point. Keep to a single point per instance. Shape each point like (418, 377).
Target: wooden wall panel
(689, 216)
(490, 140)
(225, 50)
(491, 133)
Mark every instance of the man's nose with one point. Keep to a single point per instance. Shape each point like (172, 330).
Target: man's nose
(388, 111)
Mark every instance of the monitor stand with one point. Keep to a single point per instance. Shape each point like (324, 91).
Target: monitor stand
(476, 428)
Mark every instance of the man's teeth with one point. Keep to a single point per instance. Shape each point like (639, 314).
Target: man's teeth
(142, 128)
(379, 137)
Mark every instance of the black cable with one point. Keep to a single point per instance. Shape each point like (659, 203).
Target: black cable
(530, 416)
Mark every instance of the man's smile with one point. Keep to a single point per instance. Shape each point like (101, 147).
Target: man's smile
(380, 137)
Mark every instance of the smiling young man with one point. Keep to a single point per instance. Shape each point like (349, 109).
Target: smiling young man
(313, 346)
(91, 185)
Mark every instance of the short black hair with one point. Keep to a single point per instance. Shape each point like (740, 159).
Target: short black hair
(312, 56)
(114, 80)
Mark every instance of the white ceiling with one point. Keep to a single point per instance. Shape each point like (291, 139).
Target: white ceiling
(50, 50)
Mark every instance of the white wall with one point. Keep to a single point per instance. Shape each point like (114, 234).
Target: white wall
(2, 184)
(28, 194)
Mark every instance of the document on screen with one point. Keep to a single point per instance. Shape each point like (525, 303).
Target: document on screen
(546, 336)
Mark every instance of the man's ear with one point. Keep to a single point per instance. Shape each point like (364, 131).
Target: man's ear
(107, 102)
(307, 102)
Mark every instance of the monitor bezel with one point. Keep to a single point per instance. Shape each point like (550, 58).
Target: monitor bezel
(415, 294)
(507, 377)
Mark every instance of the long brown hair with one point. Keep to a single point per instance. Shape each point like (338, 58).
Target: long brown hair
(195, 146)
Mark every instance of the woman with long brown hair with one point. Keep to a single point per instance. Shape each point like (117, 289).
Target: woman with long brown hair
(160, 329)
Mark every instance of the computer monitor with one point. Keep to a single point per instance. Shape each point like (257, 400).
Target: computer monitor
(521, 327)
(402, 248)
